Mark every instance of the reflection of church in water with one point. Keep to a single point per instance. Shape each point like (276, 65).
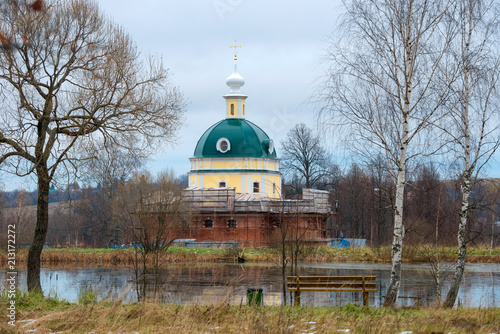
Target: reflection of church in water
(235, 183)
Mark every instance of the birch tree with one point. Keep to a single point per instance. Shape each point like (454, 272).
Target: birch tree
(72, 83)
(383, 87)
(473, 125)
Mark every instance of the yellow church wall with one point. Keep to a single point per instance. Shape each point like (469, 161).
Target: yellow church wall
(235, 103)
(193, 180)
(257, 164)
(277, 180)
(232, 180)
(211, 180)
(257, 178)
(223, 164)
(242, 181)
(235, 181)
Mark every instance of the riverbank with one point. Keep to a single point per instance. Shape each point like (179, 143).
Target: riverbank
(92, 256)
(35, 314)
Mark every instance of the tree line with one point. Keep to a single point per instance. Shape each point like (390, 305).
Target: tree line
(93, 216)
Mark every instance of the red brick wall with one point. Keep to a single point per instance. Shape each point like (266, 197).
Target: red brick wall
(254, 229)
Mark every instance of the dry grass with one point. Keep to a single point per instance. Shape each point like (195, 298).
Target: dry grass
(89, 256)
(411, 254)
(166, 318)
(106, 256)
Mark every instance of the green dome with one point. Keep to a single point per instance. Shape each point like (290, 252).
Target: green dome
(245, 140)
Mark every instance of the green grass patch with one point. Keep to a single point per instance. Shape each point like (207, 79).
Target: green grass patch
(29, 301)
(195, 250)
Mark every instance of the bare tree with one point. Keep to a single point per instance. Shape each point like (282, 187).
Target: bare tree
(304, 156)
(473, 125)
(354, 197)
(288, 239)
(151, 212)
(103, 177)
(73, 82)
(383, 88)
(382, 196)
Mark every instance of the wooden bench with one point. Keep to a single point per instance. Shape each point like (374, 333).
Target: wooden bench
(364, 284)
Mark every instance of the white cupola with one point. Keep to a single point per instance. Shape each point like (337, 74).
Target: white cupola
(235, 98)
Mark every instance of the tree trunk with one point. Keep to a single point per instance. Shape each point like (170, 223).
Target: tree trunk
(42, 223)
(397, 241)
(467, 178)
(451, 297)
(391, 295)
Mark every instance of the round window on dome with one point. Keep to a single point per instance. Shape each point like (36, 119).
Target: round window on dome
(223, 145)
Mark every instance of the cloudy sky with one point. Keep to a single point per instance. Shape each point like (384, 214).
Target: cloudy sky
(280, 58)
(282, 42)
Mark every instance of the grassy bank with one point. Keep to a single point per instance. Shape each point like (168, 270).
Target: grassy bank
(91, 256)
(50, 315)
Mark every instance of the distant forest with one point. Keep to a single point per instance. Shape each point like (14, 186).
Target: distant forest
(362, 200)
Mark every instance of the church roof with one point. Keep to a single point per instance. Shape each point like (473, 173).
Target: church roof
(245, 140)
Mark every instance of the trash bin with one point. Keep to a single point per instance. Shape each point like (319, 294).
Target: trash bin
(254, 296)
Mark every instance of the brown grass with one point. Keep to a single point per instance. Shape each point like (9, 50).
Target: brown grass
(179, 255)
(115, 257)
(165, 318)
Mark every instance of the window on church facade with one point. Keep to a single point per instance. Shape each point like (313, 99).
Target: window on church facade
(256, 187)
(222, 184)
(232, 223)
(232, 109)
(223, 145)
(208, 223)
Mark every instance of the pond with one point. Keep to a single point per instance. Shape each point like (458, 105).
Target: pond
(217, 283)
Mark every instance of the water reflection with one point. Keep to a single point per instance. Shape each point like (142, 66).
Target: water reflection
(217, 283)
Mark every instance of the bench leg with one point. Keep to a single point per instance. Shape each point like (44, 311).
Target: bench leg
(297, 298)
(365, 298)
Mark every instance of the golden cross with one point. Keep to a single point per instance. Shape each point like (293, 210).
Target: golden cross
(235, 46)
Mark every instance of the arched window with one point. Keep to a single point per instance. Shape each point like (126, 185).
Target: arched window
(222, 184)
(232, 223)
(208, 223)
(232, 109)
(256, 187)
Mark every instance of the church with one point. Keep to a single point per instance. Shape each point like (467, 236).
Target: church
(234, 192)
(235, 152)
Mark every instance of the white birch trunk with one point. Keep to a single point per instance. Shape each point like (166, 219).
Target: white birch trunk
(397, 241)
(467, 171)
(391, 295)
(462, 246)
(464, 210)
